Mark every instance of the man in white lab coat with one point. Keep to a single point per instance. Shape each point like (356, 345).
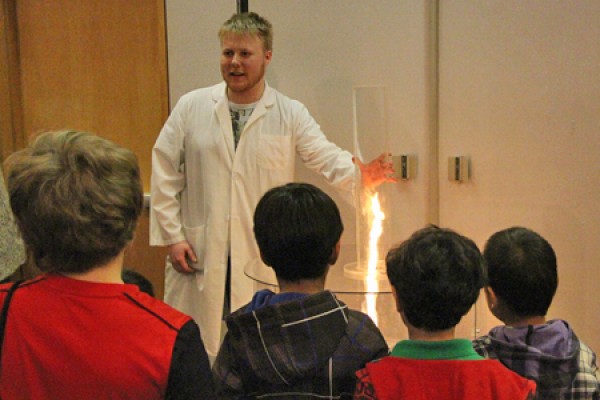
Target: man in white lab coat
(220, 150)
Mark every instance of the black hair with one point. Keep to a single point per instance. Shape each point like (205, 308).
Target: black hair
(133, 277)
(437, 275)
(297, 227)
(522, 270)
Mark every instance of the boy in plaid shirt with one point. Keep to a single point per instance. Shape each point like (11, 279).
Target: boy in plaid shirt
(302, 342)
(522, 282)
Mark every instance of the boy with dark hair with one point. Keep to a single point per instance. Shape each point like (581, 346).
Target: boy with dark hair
(301, 341)
(522, 282)
(436, 276)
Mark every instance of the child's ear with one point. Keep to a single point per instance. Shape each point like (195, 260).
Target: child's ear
(399, 306)
(264, 260)
(490, 296)
(335, 253)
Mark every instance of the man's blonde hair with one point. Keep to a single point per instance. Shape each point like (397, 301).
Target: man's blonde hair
(251, 24)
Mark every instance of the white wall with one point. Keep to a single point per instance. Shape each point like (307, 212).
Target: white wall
(520, 95)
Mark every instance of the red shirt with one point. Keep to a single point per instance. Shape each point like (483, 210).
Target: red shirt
(71, 339)
(402, 378)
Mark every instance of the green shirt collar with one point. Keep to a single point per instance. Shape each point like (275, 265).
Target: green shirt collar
(455, 349)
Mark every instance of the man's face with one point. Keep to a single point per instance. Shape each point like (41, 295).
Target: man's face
(243, 64)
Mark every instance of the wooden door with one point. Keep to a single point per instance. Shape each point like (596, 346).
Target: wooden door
(97, 66)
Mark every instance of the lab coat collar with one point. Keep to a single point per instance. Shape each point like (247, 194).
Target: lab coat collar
(219, 95)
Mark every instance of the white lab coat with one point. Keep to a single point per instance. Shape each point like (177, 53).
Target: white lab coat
(205, 191)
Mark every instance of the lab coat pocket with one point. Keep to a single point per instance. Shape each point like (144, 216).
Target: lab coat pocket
(274, 151)
(196, 237)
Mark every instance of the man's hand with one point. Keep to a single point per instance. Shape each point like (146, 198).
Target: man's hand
(179, 254)
(377, 171)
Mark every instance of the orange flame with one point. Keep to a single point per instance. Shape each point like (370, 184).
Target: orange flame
(376, 230)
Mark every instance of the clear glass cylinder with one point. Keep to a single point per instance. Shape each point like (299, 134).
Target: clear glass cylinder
(370, 140)
(372, 216)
